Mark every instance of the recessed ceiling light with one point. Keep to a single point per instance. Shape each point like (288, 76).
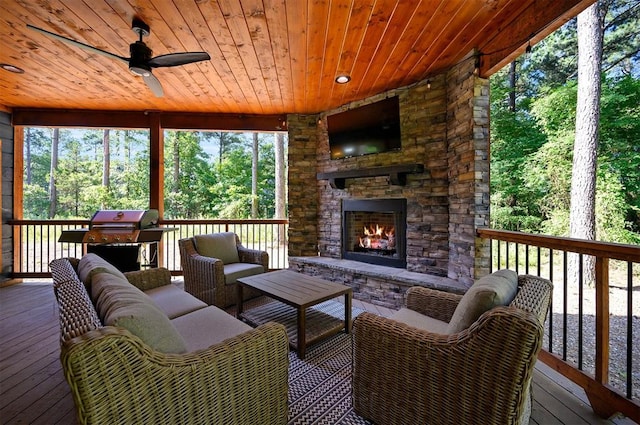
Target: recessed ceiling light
(343, 79)
(11, 68)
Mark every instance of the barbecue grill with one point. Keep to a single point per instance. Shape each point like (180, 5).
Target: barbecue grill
(116, 235)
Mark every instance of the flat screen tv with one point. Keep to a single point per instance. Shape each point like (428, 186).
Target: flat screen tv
(369, 129)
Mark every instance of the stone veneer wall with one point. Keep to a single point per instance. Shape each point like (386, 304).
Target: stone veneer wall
(445, 128)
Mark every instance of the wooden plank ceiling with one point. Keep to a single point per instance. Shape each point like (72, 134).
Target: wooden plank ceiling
(267, 56)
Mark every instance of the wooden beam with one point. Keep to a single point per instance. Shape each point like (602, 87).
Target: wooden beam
(142, 119)
(526, 28)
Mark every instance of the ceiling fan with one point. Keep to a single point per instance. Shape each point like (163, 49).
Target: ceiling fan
(140, 62)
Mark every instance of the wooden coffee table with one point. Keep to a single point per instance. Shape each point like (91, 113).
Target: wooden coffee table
(299, 291)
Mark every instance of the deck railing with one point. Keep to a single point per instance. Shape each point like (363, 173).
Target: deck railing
(36, 242)
(588, 338)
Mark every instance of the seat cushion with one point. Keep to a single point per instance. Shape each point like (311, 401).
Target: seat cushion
(497, 289)
(202, 328)
(173, 301)
(91, 264)
(420, 321)
(218, 245)
(233, 272)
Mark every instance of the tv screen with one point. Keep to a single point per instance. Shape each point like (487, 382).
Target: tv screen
(370, 129)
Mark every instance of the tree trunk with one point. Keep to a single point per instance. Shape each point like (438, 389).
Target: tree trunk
(176, 163)
(254, 178)
(53, 194)
(27, 159)
(106, 160)
(512, 87)
(281, 186)
(585, 150)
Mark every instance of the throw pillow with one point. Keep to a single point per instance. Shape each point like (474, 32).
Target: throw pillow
(496, 289)
(218, 245)
(90, 264)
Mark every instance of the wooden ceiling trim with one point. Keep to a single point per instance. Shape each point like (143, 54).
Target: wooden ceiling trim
(297, 17)
(515, 35)
(141, 120)
(276, 16)
(317, 29)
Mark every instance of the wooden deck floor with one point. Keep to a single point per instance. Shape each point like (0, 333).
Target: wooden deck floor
(33, 389)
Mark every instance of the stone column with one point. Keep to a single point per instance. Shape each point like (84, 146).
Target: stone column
(303, 185)
(468, 157)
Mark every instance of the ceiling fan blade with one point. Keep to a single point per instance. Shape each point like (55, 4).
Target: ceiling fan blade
(77, 43)
(175, 59)
(154, 84)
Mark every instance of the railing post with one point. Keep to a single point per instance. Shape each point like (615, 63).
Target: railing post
(601, 407)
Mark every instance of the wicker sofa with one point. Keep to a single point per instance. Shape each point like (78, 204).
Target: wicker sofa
(165, 356)
(211, 263)
(425, 365)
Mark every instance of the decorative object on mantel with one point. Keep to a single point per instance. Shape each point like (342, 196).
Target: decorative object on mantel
(397, 174)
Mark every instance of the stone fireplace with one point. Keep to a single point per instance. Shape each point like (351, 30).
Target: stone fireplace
(441, 172)
(374, 231)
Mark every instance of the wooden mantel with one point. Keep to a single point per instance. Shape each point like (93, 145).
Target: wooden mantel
(397, 174)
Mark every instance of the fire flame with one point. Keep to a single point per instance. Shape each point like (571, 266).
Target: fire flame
(377, 238)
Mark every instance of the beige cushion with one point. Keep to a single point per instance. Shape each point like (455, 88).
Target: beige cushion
(121, 304)
(218, 245)
(205, 327)
(497, 289)
(173, 301)
(420, 321)
(234, 271)
(91, 263)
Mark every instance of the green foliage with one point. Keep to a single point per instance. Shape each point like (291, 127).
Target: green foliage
(198, 184)
(531, 149)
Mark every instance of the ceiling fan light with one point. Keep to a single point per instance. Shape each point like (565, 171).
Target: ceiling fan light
(139, 71)
(343, 79)
(11, 68)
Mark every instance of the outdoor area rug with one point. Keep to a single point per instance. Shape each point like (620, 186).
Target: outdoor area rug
(319, 385)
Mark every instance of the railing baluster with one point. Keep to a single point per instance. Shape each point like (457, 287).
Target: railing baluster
(580, 307)
(630, 340)
(565, 303)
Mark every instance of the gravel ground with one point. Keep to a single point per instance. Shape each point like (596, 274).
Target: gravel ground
(617, 333)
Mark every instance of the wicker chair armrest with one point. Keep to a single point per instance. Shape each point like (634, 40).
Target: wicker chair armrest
(253, 256)
(393, 360)
(204, 278)
(115, 378)
(433, 303)
(150, 278)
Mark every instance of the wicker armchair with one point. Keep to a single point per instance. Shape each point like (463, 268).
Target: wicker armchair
(481, 375)
(212, 278)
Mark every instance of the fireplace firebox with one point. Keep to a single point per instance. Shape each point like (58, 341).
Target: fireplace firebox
(374, 231)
